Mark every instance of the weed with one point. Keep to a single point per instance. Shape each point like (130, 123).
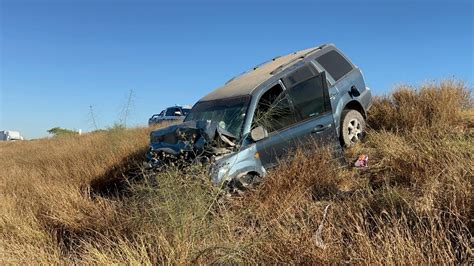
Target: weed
(75, 199)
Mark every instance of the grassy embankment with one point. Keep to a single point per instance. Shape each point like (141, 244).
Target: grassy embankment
(412, 205)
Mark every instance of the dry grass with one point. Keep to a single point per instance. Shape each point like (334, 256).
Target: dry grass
(59, 200)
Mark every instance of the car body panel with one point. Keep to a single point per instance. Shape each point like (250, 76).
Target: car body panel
(236, 164)
(318, 130)
(340, 95)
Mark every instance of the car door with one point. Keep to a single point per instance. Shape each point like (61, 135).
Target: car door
(277, 117)
(312, 120)
(311, 100)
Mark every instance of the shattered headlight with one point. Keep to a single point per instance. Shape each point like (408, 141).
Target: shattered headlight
(223, 170)
(219, 171)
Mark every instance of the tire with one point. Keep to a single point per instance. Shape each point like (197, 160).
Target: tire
(238, 186)
(352, 127)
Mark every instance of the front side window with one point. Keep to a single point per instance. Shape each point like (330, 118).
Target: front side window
(274, 110)
(335, 64)
(228, 113)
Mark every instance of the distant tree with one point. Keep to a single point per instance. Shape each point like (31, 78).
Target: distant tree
(61, 132)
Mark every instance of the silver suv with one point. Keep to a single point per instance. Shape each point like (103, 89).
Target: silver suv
(246, 126)
(175, 113)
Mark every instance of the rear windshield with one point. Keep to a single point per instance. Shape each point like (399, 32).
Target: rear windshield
(228, 113)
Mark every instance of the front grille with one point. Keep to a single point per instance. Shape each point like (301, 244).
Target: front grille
(170, 139)
(156, 138)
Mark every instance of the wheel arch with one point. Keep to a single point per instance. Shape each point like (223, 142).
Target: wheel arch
(355, 105)
(254, 173)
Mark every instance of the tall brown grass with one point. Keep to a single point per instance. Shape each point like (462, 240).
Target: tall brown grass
(69, 200)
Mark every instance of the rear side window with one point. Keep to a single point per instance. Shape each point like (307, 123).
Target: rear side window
(172, 111)
(186, 111)
(309, 96)
(335, 64)
(301, 74)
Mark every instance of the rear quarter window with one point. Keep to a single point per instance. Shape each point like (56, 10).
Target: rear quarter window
(334, 64)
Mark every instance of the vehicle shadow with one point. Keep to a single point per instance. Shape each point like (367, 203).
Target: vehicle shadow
(115, 182)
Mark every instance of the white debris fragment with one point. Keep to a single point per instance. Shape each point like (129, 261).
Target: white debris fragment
(317, 236)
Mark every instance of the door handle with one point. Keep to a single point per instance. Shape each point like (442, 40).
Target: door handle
(320, 128)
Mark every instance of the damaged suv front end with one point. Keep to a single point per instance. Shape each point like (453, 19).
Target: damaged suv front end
(211, 134)
(189, 141)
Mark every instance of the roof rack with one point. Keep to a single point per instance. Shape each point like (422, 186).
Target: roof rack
(281, 67)
(254, 68)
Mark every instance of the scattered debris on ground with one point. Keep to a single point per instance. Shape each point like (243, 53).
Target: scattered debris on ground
(362, 161)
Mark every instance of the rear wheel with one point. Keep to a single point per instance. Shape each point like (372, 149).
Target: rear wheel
(352, 127)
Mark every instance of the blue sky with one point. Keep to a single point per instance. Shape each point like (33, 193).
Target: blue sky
(60, 57)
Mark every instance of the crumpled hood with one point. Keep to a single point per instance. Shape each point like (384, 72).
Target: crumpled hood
(195, 137)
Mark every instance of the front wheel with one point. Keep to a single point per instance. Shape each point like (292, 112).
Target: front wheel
(238, 186)
(352, 127)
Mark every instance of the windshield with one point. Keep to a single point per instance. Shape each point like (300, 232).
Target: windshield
(228, 113)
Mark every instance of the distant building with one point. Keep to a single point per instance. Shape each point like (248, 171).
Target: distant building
(8, 135)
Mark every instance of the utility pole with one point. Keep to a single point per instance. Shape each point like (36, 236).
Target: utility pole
(127, 108)
(91, 113)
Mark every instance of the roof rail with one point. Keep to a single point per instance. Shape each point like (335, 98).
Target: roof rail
(281, 67)
(254, 68)
(236, 76)
(261, 64)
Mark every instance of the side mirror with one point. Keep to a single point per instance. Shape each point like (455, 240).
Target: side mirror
(258, 133)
